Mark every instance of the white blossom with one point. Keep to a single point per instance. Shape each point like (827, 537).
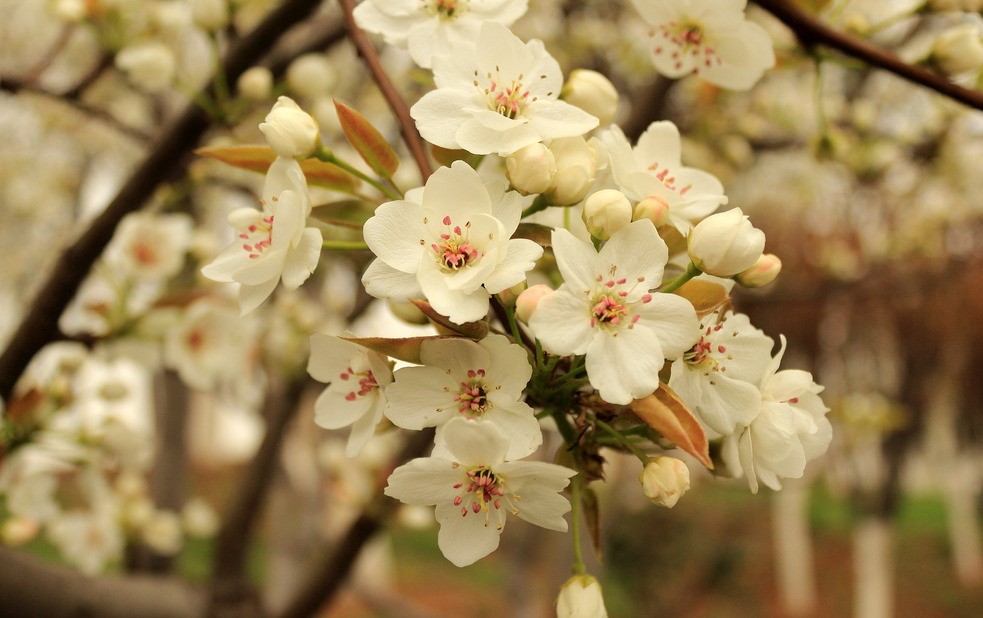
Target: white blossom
(725, 244)
(605, 309)
(474, 488)
(497, 96)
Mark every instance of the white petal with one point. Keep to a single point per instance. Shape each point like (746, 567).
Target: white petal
(576, 260)
(424, 481)
(518, 422)
(440, 113)
(456, 356)
(333, 411)
(252, 296)
(458, 306)
(520, 258)
(383, 281)
(508, 366)
(474, 443)
(330, 356)
(475, 137)
(419, 398)
(638, 251)
(626, 366)
(673, 319)
(302, 259)
(397, 235)
(562, 322)
(553, 119)
(465, 539)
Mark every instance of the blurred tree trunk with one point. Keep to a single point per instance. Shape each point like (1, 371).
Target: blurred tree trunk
(793, 549)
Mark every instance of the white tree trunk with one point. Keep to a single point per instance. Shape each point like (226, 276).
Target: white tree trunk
(793, 550)
(873, 574)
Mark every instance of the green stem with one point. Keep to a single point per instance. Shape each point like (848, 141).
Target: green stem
(576, 486)
(345, 245)
(324, 154)
(563, 424)
(675, 284)
(623, 441)
(513, 324)
(538, 204)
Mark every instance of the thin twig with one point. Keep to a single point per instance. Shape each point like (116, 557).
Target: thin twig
(33, 74)
(411, 137)
(75, 92)
(811, 31)
(166, 159)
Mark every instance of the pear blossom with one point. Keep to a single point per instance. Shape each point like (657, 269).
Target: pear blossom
(151, 246)
(89, 540)
(718, 377)
(450, 243)
(652, 170)
(576, 170)
(664, 480)
(429, 27)
(592, 92)
(725, 244)
(581, 597)
(290, 131)
(272, 243)
(355, 395)
(210, 344)
(474, 487)
(790, 430)
(711, 39)
(497, 96)
(605, 309)
(482, 381)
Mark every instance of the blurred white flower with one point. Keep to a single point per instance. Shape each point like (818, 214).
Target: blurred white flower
(211, 343)
(150, 66)
(89, 540)
(150, 246)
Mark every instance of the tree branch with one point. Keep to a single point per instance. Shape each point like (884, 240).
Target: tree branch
(811, 31)
(165, 160)
(411, 137)
(326, 579)
(32, 587)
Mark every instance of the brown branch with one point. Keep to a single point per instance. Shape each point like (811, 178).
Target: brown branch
(411, 137)
(811, 31)
(75, 92)
(165, 160)
(34, 73)
(232, 542)
(326, 579)
(32, 587)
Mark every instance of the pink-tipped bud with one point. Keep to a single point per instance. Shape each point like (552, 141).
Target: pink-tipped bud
(664, 480)
(529, 299)
(762, 273)
(653, 208)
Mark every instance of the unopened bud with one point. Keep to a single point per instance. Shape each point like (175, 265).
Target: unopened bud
(311, 76)
(72, 11)
(199, 518)
(725, 244)
(162, 533)
(653, 208)
(290, 131)
(606, 212)
(958, 49)
(509, 296)
(210, 14)
(664, 480)
(762, 273)
(255, 84)
(581, 597)
(529, 299)
(530, 169)
(149, 66)
(576, 168)
(592, 92)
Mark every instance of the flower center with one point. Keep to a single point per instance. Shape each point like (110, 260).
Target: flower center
(703, 353)
(258, 237)
(446, 9)
(454, 251)
(472, 399)
(144, 254)
(484, 491)
(611, 307)
(686, 44)
(364, 379)
(508, 101)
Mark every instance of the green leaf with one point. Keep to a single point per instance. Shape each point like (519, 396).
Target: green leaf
(259, 159)
(367, 141)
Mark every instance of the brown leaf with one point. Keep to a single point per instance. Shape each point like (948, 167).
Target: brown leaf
(405, 349)
(471, 330)
(259, 159)
(539, 234)
(667, 414)
(706, 296)
(367, 141)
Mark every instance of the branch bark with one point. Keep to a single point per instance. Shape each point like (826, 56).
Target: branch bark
(32, 587)
(811, 31)
(165, 160)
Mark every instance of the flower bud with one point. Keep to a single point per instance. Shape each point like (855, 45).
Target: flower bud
(255, 84)
(580, 597)
(529, 299)
(664, 480)
(290, 131)
(592, 92)
(725, 244)
(311, 76)
(762, 273)
(210, 14)
(17, 531)
(199, 518)
(653, 208)
(72, 11)
(162, 533)
(606, 212)
(149, 66)
(958, 49)
(509, 296)
(530, 169)
(576, 168)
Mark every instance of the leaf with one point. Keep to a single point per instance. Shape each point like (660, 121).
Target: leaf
(706, 296)
(471, 330)
(259, 159)
(367, 141)
(539, 234)
(664, 412)
(344, 213)
(405, 349)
